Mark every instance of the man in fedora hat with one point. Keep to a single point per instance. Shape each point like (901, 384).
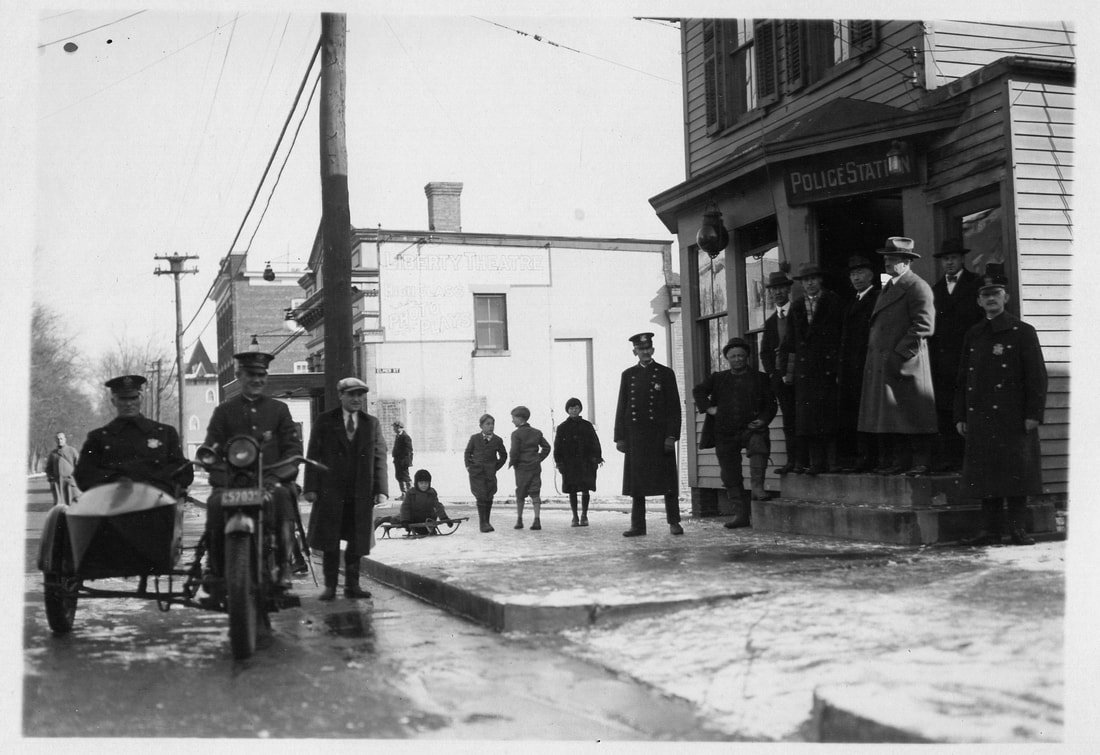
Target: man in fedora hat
(999, 406)
(813, 351)
(774, 362)
(349, 442)
(956, 298)
(647, 428)
(739, 405)
(860, 450)
(897, 401)
(269, 422)
(132, 447)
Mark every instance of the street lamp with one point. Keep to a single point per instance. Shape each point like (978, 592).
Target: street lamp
(269, 274)
(897, 158)
(712, 237)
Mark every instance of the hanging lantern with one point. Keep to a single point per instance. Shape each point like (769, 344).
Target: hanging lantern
(269, 274)
(712, 237)
(897, 158)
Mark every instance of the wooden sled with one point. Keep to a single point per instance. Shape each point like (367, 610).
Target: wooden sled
(425, 528)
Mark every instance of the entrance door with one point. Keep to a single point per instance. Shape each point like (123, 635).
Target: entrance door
(854, 226)
(571, 376)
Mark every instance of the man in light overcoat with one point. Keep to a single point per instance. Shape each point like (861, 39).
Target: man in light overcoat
(897, 399)
(349, 442)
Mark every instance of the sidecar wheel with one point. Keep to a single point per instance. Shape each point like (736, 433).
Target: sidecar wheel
(60, 594)
(241, 596)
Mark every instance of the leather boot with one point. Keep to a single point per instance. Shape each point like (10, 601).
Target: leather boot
(283, 553)
(352, 589)
(637, 518)
(483, 517)
(1017, 518)
(741, 510)
(757, 467)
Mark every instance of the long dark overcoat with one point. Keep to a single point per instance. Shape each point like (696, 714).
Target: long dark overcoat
(577, 454)
(648, 412)
(956, 313)
(897, 392)
(774, 361)
(813, 353)
(357, 473)
(483, 459)
(1002, 381)
(855, 329)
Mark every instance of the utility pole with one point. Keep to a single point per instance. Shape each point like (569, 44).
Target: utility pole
(335, 210)
(156, 396)
(175, 263)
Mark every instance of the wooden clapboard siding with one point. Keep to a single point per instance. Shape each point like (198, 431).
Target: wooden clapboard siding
(976, 149)
(957, 48)
(1041, 133)
(879, 79)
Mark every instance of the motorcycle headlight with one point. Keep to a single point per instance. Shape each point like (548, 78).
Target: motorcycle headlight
(242, 452)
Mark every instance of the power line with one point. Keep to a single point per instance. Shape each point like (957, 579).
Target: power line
(88, 31)
(259, 186)
(540, 38)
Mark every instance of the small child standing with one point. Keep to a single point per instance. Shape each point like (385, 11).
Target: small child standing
(529, 448)
(484, 456)
(421, 502)
(577, 454)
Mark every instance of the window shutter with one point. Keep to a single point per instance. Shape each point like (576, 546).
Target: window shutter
(864, 35)
(794, 52)
(711, 80)
(764, 48)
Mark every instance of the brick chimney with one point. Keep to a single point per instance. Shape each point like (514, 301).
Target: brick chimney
(444, 205)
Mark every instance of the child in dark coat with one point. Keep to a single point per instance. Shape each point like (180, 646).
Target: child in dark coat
(529, 448)
(421, 502)
(577, 454)
(484, 455)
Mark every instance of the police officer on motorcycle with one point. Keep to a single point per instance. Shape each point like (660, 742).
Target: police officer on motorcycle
(269, 422)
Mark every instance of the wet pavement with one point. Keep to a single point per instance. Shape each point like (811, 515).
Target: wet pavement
(772, 637)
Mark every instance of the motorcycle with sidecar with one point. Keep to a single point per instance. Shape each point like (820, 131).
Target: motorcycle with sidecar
(128, 529)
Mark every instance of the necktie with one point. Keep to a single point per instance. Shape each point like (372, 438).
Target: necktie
(351, 427)
(811, 305)
(952, 278)
(780, 313)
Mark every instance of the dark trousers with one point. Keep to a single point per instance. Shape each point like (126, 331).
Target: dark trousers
(727, 449)
(278, 510)
(330, 566)
(857, 450)
(951, 446)
(909, 451)
(993, 509)
(401, 474)
(637, 511)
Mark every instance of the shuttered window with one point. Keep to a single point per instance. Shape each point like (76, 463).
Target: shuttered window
(814, 50)
(729, 71)
(767, 68)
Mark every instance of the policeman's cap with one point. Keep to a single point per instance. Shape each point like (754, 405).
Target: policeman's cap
(352, 385)
(253, 361)
(642, 340)
(899, 246)
(126, 385)
(993, 282)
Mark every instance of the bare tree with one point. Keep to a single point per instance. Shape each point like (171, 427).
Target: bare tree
(154, 362)
(59, 400)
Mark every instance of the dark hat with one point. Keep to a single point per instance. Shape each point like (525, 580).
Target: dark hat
(854, 263)
(422, 475)
(352, 385)
(399, 424)
(808, 270)
(740, 342)
(778, 278)
(899, 246)
(642, 340)
(253, 360)
(126, 384)
(951, 246)
(993, 278)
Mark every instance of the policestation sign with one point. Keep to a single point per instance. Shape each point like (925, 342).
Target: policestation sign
(844, 173)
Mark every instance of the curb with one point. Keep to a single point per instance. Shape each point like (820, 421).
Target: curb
(830, 722)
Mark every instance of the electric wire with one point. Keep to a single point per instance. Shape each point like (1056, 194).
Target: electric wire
(267, 169)
(89, 31)
(540, 38)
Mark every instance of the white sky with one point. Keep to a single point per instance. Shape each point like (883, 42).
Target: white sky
(150, 142)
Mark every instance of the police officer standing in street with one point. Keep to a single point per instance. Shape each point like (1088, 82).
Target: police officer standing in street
(269, 422)
(132, 447)
(647, 428)
(1002, 389)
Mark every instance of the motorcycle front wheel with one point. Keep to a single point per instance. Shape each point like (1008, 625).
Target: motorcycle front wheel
(241, 595)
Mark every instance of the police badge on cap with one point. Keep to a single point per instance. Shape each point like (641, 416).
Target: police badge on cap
(256, 361)
(126, 384)
(642, 340)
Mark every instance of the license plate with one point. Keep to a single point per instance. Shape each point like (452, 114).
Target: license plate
(242, 497)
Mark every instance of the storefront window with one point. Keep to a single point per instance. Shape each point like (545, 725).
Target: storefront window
(758, 267)
(712, 323)
(979, 222)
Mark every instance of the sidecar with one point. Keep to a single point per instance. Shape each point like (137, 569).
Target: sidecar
(122, 529)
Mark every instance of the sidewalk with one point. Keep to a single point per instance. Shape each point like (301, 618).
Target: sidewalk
(770, 637)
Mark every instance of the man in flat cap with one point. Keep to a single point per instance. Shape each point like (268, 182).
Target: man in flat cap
(269, 422)
(739, 405)
(402, 456)
(132, 447)
(349, 442)
(999, 405)
(859, 450)
(647, 428)
(897, 401)
(813, 352)
(956, 298)
(774, 360)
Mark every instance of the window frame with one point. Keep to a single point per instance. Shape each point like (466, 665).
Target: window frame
(481, 349)
(814, 58)
(708, 355)
(730, 70)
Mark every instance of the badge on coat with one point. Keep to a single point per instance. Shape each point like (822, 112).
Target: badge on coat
(656, 386)
(998, 349)
(267, 436)
(154, 442)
